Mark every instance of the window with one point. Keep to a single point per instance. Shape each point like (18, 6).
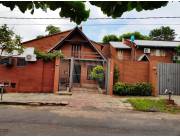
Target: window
(120, 54)
(4, 61)
(158, 52)
(89, 70)
(21, 62)
(13, 85)
(76, 50)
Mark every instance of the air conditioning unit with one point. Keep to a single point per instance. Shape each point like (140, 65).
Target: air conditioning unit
(30, 57)
(146, 50)
(176, 58)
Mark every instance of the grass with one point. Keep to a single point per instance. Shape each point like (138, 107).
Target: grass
(152, 105)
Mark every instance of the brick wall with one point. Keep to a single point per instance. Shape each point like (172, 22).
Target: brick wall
(34, 77)
(133, 71)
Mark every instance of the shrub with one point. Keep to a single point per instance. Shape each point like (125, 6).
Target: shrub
(116, 73)
(138, 89)
(98, 74)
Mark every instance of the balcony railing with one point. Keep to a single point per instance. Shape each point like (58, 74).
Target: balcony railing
(81, 55)
(124, 58)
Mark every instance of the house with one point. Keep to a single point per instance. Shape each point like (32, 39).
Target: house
(137, 62)
(80, 56)
(145, 50)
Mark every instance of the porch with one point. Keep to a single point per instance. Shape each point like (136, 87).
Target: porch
(76, 73)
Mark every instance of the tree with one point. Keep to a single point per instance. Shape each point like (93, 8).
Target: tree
(76, 10)
(109, 38)
(9, 41)
(39, 36)
(177, 50)
(136, 34)
(117, 8)
(52, 29)
(162, 33)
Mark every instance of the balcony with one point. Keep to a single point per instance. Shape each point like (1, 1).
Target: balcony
(81, 55)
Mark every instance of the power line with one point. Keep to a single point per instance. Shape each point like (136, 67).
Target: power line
(177, 24)
(130, 18)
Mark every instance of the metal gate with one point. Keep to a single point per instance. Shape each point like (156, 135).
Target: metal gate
(169, 77)
(64, 73)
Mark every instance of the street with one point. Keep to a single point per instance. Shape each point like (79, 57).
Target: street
(21, 120)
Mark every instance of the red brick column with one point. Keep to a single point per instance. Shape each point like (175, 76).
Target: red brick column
(111, 75)
(153, 77)
(56, 75)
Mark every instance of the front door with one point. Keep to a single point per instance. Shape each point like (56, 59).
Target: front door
(77, 73)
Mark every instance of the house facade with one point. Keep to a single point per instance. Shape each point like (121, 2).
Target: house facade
(80, 56)
(136, 61)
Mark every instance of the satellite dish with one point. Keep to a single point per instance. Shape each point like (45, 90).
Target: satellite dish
(132, 38)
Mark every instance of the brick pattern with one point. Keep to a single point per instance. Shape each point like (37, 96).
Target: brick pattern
(35, 77)
(133, 71)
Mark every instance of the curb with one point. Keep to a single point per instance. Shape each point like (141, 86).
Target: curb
(62, 103)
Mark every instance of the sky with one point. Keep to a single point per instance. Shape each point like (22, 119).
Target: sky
(93, 32)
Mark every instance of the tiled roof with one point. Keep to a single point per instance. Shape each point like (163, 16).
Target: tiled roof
(47, 42)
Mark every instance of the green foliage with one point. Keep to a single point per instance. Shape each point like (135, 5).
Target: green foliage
(177, 49)
(150, 105)
(117, 8)
(76, 10)
(136, 34)
(9, 41)
(109, 38)
(162, 33)
(98, 73)
(52, 29)
(48, 56)
(116, 74)
(39, 36)
(128, 35)
(138, 89)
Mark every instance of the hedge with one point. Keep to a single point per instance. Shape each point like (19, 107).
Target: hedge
(138, 89)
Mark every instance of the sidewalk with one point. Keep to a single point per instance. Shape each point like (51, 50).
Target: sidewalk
(32, 99)
(79, 100)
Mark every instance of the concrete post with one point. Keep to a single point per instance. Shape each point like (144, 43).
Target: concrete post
(110, 75)
(56, 76)
(71, 73)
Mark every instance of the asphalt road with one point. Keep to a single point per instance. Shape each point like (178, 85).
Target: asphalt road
(87, 121)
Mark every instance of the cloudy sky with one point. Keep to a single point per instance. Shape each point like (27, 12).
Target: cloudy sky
(94, 32)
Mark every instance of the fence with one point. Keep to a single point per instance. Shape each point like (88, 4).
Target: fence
(169, 77)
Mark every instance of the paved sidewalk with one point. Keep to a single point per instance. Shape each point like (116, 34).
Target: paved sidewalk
(34, 97)
(84, 100)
